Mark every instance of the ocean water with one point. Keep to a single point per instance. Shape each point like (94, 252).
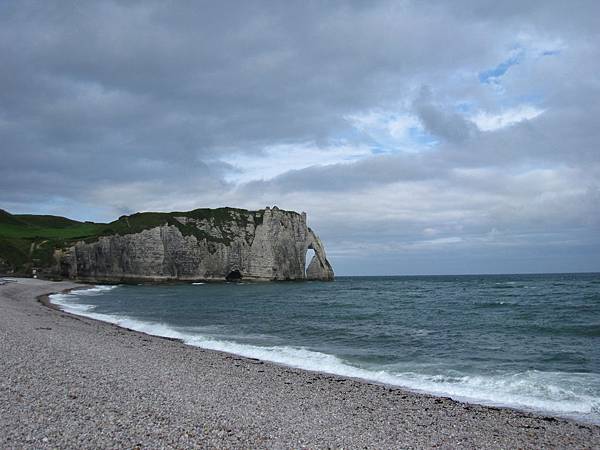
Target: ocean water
(531, 342)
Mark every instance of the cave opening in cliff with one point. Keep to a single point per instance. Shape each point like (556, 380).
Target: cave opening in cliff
(309, 256)
(234, 275)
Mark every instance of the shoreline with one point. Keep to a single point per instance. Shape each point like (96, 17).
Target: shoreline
(279, 405)
(46, 301)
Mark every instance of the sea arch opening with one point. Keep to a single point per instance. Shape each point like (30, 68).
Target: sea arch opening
(310, 253)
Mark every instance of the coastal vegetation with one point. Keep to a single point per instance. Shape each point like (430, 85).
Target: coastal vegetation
(28, 241)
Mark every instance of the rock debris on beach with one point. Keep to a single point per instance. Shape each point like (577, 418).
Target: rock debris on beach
(75, 382)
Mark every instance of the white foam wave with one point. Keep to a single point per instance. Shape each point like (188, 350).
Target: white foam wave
(197, 284)
(95, 290)
(69, 302)
(563, 394)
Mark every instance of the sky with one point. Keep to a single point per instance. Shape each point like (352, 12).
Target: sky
(421, 137)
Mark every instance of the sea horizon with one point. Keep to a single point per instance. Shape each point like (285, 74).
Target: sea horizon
(590, 272)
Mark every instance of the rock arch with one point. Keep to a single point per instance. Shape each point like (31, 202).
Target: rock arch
(319, 268)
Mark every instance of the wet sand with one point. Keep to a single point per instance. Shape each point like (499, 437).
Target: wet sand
(67, 381)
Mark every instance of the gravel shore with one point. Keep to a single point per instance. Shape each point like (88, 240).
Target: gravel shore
(69, 382)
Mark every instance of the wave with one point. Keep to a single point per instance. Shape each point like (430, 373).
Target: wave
(571, 395)
(69, 301)
(559, 393)
(92, 291)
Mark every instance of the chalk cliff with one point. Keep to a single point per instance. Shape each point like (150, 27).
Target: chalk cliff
(269, 244)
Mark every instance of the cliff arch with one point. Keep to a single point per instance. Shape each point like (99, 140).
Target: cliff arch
(319, 268)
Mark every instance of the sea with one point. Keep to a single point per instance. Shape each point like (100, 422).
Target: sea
(530, 342)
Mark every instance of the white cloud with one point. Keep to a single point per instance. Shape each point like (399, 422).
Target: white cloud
(539, 45)
(278, 159)
(487, 121)
(401, 126)
(393, 130)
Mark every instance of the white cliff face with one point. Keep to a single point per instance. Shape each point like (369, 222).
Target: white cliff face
(268, 245)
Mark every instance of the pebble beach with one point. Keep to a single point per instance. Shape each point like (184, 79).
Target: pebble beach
(68, 381)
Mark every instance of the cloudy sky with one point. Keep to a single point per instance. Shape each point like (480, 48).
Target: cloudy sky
(420, 137)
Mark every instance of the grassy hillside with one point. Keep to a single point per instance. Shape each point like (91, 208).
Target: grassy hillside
(28, 241)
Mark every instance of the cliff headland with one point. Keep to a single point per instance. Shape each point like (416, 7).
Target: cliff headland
(203, 244)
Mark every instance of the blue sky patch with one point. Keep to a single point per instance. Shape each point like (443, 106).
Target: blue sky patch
(491, 75)
(421, 137)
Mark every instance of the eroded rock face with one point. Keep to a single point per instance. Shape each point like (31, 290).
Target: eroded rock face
(319, 268)
(270, 244)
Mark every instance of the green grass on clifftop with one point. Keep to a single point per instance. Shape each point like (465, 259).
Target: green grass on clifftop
(28, 241)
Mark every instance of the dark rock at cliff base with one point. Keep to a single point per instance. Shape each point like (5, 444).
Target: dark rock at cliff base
(234, 275)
